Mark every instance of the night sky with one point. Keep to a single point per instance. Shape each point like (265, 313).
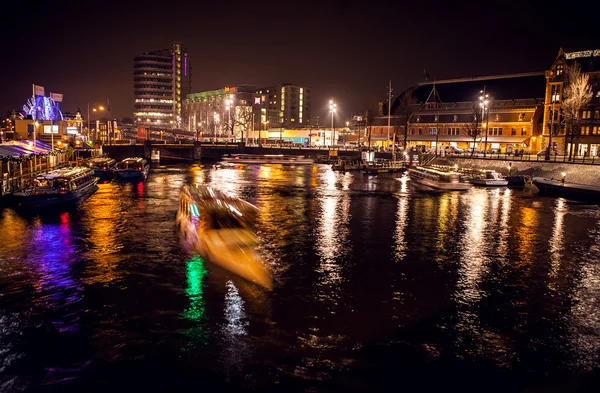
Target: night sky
(347, 50)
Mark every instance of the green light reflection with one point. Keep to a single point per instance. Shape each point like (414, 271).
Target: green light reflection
(196, 311)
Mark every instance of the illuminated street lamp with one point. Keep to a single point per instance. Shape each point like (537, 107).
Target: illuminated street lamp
(265, 126)
(484, 102)
(332, 110)
(99, 109)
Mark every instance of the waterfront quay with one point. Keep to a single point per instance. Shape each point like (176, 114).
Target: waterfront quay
(376, 287)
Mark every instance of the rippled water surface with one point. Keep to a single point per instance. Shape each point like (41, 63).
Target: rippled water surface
(377, 288)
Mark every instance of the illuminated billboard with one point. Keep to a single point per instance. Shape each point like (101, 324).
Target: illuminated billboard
(47, 129)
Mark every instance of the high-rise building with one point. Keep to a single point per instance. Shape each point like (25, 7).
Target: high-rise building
(285, 105)
(160, 80)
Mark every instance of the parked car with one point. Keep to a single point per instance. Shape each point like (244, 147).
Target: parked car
(452, 150)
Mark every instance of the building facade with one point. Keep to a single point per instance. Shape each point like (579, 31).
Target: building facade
(161, 81)
(577, 134)
(490, 113)
(224, 114)
(237, 112)
(285, 105)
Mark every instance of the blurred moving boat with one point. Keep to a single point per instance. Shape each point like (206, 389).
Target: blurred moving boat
(132, 168)
(58, 186)
(217, 226)
(267, 159)
(434, 178)
(560, 188)
(488, 178)
(102, 166)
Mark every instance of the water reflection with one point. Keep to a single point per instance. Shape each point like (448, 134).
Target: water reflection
(556, 241)
(584, 328)
(332, 233)
(105, 225)
(400, 245)
(236, 349)
(52, 257)
(198, 334)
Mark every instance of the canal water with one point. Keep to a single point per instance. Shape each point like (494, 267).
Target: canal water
(378, 287)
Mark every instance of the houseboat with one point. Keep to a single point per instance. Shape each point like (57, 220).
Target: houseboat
(267, 159)
(217, 226)
(58, 186)
(432, 178)
(132, 168)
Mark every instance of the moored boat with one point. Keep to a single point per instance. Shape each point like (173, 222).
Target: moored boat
(488, 178)
(267, 159)
(518, 180)
(217, 226)
(433, 178)
(58, 186)
(102, 166)
(560, 188)
(132, 168)
(344, 164)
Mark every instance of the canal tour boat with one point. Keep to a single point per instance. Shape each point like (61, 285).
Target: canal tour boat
(58, 186)
(216, 226)
(267, 159)
(488, 178)
(438, 178)
(132, 168)
(102, 166)
(560, 188)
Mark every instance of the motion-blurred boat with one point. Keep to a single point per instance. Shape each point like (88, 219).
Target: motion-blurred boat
(217, 226)
(435, 178)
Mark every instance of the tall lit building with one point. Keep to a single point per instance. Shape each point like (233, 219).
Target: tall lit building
(160, 80)
(285, 105)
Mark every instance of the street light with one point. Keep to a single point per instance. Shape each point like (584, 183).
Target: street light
(332, 110)
(484, 103)
(99, 109)
(259, 137)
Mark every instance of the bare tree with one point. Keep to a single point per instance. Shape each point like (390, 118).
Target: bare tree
(577, 95)
(404, 109)
(240, 119)
(473, 127)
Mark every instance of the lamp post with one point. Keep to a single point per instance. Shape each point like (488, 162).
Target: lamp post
(332, 110)
(228, 105)
(551, 130)
(259, 136)
(484, 102)
(99, 109)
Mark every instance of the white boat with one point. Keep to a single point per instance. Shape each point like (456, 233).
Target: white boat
(217, 227)
(132, 168)
(267, 159)
(58, 186)
(488, 178)
(433, 178)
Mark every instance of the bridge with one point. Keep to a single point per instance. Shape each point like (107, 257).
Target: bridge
(214, 151)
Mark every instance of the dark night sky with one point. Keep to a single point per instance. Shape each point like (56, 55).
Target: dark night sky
(342, 49)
